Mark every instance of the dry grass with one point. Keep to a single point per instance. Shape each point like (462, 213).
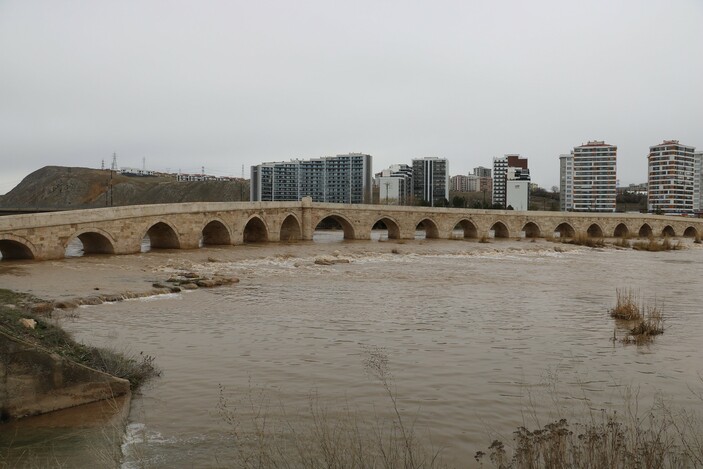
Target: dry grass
(137, 368)
(650, 325)
(582, 239)
(647, 319)
(627, 305)
(625, 435)
(324, 439)
(652, 245)
(607, 441)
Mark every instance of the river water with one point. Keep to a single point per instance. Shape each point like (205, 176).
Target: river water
(478, 338)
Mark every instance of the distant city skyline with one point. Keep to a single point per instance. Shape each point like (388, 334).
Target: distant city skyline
(234, 84)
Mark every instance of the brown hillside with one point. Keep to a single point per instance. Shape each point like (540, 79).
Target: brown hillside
(64, 187)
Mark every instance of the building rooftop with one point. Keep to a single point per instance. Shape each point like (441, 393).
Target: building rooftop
(596, 143)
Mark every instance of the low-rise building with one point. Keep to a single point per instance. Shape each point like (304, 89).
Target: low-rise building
(395, 185)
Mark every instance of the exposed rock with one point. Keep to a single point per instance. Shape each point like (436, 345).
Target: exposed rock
(91, 300)
(28, 323)
(65, 304)
(158, 285)
(221, 280)
(35, 381)
(112, 298)
(190, 275)
(42, 308)
(175, 289)
(206, 283)
(328, 261)
(189, 286)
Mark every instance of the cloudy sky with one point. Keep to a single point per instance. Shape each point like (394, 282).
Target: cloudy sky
(226, 84)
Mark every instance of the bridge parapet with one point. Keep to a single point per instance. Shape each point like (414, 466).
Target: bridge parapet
(120, 230)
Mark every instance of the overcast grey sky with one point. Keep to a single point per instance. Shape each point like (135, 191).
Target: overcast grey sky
(223, 84)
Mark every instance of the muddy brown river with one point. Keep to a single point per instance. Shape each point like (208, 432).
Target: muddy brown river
(479, 339)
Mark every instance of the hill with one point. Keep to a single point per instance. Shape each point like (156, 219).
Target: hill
(59, 187)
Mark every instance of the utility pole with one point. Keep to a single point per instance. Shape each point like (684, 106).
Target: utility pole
(112, 168)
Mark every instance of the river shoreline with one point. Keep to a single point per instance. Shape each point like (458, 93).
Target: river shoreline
(112, 275)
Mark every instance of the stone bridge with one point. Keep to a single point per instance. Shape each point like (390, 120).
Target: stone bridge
(120, 230)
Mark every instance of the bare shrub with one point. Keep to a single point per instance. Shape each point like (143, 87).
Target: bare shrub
(582, 239)
(652, 245)
(324, 439)
(647, 319)
(627, 305)
(634, 437)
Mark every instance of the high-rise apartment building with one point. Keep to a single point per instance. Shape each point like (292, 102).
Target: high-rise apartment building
(395, 185)
(670, 184)
(590, 171)
(698, 182)
(501, 170)
(482, 172)
(334, 179)
(566, 182)
(431, 180)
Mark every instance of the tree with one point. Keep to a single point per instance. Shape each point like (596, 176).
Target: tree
(458, 202)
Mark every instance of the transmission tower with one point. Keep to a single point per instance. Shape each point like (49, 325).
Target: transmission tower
(114, 162)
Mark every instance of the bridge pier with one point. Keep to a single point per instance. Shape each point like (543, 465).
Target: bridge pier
(307, 228)
(120, 230)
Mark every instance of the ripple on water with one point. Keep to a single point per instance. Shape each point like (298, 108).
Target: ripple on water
(475, 341)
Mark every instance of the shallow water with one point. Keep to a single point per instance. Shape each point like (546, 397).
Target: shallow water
(476, 338)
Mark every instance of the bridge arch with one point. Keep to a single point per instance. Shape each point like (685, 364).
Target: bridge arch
(291, 229)
(500, 230)
(255, 230)
(668, 231)
(690, 232)
(621, 231)
(645, 231)
(429, 226)
(94, 241)
(565, 230)
(391, 225)
(162, 235)
(13, 247)
(594, 231)
(341, 220)
(468, 227)
(532, 230)
(216, 232)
